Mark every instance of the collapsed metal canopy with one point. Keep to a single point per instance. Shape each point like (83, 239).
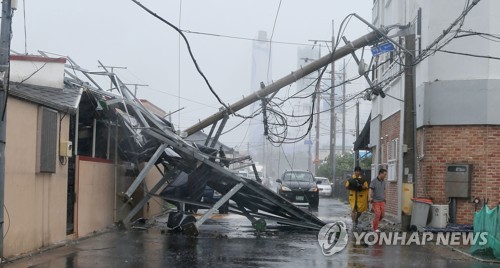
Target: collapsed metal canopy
(152, 139)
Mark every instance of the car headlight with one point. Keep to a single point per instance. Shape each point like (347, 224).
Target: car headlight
(314, 189)
(285, 189)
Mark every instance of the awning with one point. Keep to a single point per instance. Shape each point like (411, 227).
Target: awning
(363, 140)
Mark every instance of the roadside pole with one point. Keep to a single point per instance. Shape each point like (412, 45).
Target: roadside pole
(333, 120)
(318, 103)
(5, 37)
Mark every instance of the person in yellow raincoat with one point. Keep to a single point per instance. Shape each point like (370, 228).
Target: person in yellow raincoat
(358, 195)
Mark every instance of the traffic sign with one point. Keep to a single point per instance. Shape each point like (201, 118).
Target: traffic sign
(383, 48)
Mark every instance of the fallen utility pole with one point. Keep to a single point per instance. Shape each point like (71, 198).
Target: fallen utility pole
(289, 79)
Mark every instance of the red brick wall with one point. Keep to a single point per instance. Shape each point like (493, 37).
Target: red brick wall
(389, 131)
(476, 145)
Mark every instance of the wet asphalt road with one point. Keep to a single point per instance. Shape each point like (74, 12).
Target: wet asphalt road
(229, 241)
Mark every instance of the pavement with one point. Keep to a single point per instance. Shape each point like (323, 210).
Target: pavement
(230, 241)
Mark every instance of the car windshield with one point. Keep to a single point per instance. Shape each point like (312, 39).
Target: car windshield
(298, 176)
(322, 181)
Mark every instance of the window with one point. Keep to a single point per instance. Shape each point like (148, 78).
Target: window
(392, 160)
(47, 140)
(388, 151)
(392, 170)
(382, 153)
(392, 150)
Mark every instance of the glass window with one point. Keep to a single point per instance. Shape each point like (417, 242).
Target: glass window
(298, 176)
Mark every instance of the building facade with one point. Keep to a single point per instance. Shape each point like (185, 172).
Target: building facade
(62, 170)
(456, 92)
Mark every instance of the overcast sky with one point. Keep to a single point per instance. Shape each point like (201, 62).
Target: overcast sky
(119, 33)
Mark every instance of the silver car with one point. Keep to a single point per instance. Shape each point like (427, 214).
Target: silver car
(324, 186)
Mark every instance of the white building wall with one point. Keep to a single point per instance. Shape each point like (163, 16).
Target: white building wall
(434, 101)
(37, 70)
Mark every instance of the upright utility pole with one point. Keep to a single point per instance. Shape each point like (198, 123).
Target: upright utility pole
(333, 120)
(409, 158)
(356, 152)
(318, 101)
(5, 37)
(309, 153)
(343, 109)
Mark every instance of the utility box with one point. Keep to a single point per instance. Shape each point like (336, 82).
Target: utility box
(66, 148)
(458, 180)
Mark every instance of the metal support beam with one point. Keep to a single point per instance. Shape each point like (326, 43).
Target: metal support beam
(281, 220)
(212, 129)
(258, 224)
(145, 171)
(256, 173)
(188, 150)
(75, 66)
(219, 131)
(355, 57)
(124, 223)
(218, 204)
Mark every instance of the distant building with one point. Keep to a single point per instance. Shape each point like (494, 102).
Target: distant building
(261, 72)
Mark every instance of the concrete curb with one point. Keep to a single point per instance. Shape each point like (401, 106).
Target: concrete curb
(472, 256)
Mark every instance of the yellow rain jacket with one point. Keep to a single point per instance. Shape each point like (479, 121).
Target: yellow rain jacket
(358, 199)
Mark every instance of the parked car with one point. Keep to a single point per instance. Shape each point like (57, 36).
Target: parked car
(325, 188)
(299, 187)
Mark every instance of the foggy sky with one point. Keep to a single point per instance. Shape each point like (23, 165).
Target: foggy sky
(119, 33)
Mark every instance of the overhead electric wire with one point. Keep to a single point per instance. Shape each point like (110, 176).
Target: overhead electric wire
(190, 54)
(256, 112)
(426, 52)
(330, 87)
(281, 118)
(468, 54)
(186, 99)
(244, 38)
(271, 39)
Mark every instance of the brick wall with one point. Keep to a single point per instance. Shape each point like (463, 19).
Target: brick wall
(389, 131)
(476, 145)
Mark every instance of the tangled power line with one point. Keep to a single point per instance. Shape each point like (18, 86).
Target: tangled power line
(277, 122)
